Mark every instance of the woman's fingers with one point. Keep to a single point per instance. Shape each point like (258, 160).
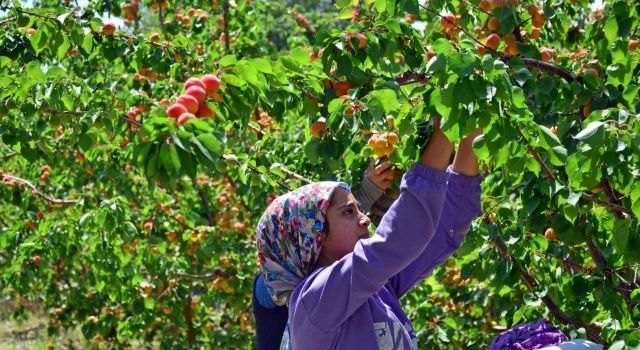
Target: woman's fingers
(382, 167)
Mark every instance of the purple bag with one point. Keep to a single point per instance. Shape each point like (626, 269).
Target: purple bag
(529, 336)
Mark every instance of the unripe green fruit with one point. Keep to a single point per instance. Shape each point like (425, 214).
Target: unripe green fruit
(221, 165)
(3, 109)
(23, 21)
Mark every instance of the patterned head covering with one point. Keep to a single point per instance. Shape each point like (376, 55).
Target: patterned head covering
(290, 236)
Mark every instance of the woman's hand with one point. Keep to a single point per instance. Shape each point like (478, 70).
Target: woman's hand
(381, 175)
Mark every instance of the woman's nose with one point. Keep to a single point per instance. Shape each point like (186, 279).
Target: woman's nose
(365, 221)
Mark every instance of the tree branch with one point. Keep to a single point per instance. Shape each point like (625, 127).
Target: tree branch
(205, 277)
(548, 67)
(593, 331)
(411, 77)
(37, 192)
(225, 16)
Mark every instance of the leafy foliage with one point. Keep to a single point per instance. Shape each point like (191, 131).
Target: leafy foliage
(142, 228)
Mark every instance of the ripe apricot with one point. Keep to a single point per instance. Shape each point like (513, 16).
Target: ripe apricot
(550, 234)
(318, 127)
(493, 24)
(493, 41)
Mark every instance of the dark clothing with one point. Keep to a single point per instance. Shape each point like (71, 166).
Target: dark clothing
(270, 322)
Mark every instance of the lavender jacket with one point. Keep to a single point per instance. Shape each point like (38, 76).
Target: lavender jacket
(354, 303)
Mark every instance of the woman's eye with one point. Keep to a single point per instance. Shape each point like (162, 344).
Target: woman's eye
(349, 211)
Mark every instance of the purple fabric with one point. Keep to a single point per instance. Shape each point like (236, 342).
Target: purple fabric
(529, 336)
(354, 302)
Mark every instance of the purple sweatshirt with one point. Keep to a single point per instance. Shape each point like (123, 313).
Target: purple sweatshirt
(354, 303)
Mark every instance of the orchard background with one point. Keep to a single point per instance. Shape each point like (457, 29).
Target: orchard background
(137, 228)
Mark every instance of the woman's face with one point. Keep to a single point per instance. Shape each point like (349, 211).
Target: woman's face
(347, 225)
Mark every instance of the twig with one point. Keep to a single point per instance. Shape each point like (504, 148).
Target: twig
(613, 207)
(567, 75)
(411, 77)
(311, 97)
(536, 156)
(205, 207)
(626, 267)
(188, 317)
(39, 193)
(601, 263)
(7, 20)
(205, 277)
(225, 16)
(131, 121)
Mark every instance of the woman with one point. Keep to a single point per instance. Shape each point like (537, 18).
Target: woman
(342, 286)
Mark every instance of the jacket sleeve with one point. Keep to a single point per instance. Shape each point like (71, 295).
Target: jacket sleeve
(330, 295)
(461, 206)
(368, 194)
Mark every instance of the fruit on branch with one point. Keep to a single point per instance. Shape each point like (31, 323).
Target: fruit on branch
(198, 93)
(550, 234)
(535, 33)
(410, 18)
(185, 117)
(189, 102)
(148, 225)
(154, 37)
(318, 128)
(176, 110)
(383, 144)
(390, 120)
(547, 54)
(341, 87)
(493, 24)
(211, 84)
(194, 82)
(493, 41)
(554, 129)
(362, 40)
(205, 112)
(485, 5)
(108, 28)
(492, 217)
(480, 49)
(447, 21)
(633, 44)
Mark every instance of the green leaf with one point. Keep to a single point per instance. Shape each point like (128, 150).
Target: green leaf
(436, 64)
(228, 60)
(593, 134)
(462, 64)
(385, 99)
(39, 39)
(35, 72)
(211, 144)
(611, 29)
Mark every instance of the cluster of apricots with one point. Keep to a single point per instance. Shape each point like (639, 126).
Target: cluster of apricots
(492, 26)
(130, 10)
(192, 103)
(191, 13)
(300, 19)
(449, 25)
(384, 143)
(155, 6)
(145, 74)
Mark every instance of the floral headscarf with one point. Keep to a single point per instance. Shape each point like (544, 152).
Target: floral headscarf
(290, 236)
